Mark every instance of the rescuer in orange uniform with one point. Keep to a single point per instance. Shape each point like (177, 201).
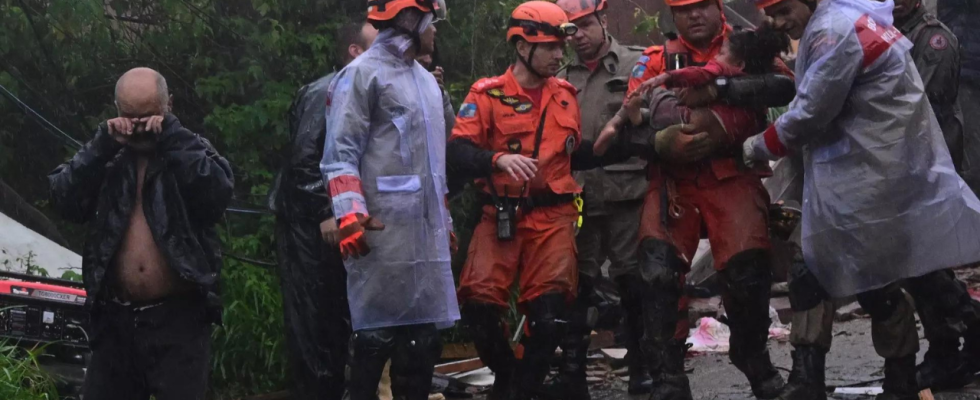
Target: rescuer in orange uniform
(688, 196)
(519, 134)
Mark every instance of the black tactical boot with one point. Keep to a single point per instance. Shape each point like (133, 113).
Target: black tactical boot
(806, 381)
(943, 367)
(489, 335)
(629, 290)
(673, 383)
(570, 382)
(544, 330)
(899, 379)
(413, 361)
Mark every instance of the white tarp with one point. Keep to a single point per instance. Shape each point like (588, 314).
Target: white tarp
(20, 247)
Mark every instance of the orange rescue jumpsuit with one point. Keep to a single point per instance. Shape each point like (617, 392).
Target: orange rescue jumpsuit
(498, 115)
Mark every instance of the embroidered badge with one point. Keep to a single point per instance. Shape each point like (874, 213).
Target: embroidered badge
(468, 110)
(495, 93)
(523, 108)
(510, 100)
(938, 42)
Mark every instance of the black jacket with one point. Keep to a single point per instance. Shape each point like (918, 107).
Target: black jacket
(298, 191)
(186, 189)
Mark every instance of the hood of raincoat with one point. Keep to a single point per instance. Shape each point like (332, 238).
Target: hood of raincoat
(881, 199)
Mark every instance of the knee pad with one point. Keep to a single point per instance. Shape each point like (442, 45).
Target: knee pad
(880, 304)
(748, 274)
(660, 267)
(805, 291)
(544, 316)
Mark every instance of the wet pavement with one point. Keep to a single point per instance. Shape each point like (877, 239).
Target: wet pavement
(851, 362)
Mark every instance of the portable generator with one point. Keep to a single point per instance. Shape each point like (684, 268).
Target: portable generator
(47, 312)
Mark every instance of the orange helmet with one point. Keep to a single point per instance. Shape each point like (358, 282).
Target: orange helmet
(576, 9)
(386, 10)
(539, 22)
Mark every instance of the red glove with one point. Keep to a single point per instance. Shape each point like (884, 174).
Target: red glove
(352, 227)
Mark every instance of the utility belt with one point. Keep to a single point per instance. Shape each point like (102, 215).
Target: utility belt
(530, 202)
(507, 208)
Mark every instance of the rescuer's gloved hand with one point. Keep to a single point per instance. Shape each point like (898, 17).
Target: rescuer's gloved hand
(352, 227)
(680, 144)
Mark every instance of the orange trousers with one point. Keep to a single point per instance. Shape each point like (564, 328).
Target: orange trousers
(543, 255)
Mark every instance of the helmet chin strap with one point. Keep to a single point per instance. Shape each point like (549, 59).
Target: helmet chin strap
(527, 61)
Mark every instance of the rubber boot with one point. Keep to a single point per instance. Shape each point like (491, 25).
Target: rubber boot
(806, 381)
(413, 361)
(630, 289)
(661, 271)
(748, 282)
(540, 342)
(899, 379)
(489, 334)
(369, 352)
(943, 367)
(673, 383)
(570, 383)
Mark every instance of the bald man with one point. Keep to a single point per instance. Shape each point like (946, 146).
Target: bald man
(150, 191)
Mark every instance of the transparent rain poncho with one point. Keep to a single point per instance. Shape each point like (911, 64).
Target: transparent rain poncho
(386, 128)
(882, 201)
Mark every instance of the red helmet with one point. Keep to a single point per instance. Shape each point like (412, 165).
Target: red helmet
(539, 22)
(678, 3)
(762, 4)
(386, 10)
(576, 9)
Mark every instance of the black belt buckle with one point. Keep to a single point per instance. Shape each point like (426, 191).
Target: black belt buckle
(506, 222)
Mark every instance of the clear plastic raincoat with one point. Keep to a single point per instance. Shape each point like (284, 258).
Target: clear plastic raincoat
(384, 156)
(882, 201)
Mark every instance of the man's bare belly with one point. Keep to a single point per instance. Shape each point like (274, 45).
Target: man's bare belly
(139, 269)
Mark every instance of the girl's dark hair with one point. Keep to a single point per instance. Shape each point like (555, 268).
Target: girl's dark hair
(758, 48)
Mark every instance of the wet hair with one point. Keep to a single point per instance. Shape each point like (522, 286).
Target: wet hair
(350, 33)
(758, 48)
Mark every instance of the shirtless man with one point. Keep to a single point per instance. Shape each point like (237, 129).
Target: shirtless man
(151, 192)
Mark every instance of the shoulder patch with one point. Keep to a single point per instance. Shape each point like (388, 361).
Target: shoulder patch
(566, 85)
(938, 42)
(467, 110)
(653, 50)
(486, 84)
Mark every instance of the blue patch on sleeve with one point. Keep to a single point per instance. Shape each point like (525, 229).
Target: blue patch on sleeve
(638, 70)
(643, 60)
(468, 110)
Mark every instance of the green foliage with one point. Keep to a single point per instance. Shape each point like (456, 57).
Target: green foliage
(248, 349)
(21, 378)
(646, 23)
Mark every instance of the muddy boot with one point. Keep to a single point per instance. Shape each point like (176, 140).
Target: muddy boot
(630, 289)
(899, 379)
(806, 381)
(545, 328)
(673, 383)
(748, 282)
(489, 334)
(570, 383)
(943, 367)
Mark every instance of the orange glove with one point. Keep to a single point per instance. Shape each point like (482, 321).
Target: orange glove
(352, 227)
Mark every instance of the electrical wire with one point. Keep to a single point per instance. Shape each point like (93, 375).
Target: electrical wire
(50, 127)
